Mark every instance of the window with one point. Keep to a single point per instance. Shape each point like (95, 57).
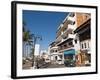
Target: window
(64, 37)
(64, 29)
(60, 56)
(72, 23)
(82, 46)
(55, 57)
(65, 46)
(85, 45)
(70, 43)
(55, 50)
(76, 41)
(52, 51)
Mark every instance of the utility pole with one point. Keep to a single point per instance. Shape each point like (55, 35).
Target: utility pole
(35, 38)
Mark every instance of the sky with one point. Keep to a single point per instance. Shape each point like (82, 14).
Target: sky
(43, 23)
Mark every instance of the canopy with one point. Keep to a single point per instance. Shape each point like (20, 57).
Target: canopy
(68, 52)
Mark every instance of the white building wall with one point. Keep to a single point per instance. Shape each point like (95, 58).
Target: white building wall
(76, 45)
(48, 51)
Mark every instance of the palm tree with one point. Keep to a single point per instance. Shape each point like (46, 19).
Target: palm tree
(24, 38)
(30, 44)
(27, 38)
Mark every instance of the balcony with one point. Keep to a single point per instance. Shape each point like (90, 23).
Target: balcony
(65, 48)
(67, 36)
(69, 30)
(55, 47)
(70, 27)
(71, 18)
(58, 39)
(59, 28)
(70, 36)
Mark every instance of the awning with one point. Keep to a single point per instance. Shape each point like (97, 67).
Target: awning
(68, 52)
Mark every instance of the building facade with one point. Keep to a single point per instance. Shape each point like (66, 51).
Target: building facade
(83, 32)
(66, 38)
(55, 56)
(73, 40)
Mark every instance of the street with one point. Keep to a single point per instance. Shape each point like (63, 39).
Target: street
(28, 65)
(49, 65)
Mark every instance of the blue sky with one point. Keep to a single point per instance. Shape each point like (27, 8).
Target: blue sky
(43, 23)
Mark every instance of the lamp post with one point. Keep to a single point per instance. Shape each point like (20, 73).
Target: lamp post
(35, 38)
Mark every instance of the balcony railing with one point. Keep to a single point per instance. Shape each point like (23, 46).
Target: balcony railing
(58, 39)
(55, 47)
(67, 36)
(65, 48)
(71, 27)
(71, 18)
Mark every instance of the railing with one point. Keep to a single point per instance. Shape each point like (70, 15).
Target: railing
(71, 18)
(71, 27)
(63, 48)
(67, 36)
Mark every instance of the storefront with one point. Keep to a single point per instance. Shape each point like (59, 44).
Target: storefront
(69, 54)
(69, 57)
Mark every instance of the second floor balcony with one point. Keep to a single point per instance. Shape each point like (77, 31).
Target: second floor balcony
(62, 48)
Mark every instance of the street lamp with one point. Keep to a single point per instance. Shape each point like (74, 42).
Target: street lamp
(35, 38)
